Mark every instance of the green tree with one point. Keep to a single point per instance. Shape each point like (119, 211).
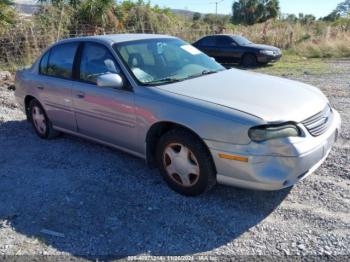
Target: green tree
(60, 3)
(343, 8)
(99, 13)
(249, 12)
(245, 12)
(92, 13)
(196, 16)
(306, 19)
(210, 19)
(331, 17)
(291, 18)
(7, 13)
(271, 9)
(341, 11)
(140, 16)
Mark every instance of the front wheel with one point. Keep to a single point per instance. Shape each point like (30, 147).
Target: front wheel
(249, 60)
(185, 163)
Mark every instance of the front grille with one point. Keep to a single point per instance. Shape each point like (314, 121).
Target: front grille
(319, 123)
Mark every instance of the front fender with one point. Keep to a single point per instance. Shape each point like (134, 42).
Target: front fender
(209, 121)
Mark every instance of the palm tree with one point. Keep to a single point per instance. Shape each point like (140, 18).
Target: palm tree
(272, 9)
(98, 13)
(250, 12)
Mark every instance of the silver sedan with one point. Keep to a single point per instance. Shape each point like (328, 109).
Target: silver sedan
(161, 99)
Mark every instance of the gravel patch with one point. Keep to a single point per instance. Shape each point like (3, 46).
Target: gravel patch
(72, 197)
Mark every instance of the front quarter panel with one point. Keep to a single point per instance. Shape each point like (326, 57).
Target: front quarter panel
(207, 120)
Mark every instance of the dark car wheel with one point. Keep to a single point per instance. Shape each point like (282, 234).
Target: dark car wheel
(41, 123)
(249, 60)
(185, 163)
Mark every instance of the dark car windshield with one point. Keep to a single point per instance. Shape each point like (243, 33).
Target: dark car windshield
(161, 61)
(241, 40)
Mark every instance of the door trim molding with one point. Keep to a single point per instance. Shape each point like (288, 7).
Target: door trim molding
(137, 154)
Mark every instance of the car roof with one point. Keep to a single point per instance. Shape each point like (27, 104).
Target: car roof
(230, 35)
(215, 35)
(116, 38)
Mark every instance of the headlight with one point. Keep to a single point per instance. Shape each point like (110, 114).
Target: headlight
(267, 52)
(263, 133)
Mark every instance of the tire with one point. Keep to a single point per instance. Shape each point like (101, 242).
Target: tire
(41, 123)
(249, 60)
(178, 154)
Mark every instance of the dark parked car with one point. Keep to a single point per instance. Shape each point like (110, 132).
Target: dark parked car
(229, 49)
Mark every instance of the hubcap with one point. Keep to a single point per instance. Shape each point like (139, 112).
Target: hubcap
(39, 120)
(181, 165)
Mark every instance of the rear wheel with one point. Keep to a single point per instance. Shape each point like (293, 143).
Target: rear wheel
(249, 60)
(41, 123)
(185, 163)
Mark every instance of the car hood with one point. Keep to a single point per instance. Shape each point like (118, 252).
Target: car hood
(263, 47)
(270, 98)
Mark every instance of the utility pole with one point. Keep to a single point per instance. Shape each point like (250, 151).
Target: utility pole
(216, 6)
(217, 2)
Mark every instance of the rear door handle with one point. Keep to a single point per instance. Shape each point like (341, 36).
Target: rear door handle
(40, 87)
(81, 95)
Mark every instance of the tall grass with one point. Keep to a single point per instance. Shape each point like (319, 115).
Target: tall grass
(315, 40)
(22, 44)
(336, 47)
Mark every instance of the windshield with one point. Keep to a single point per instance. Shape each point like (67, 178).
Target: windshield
(162, 61)
(241, 40)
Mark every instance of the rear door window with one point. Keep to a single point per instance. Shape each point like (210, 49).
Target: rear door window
(223, 41)
(207, 41)
(61, 60)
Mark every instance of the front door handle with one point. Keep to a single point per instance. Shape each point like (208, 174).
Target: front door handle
(40, 87)
(80, 95)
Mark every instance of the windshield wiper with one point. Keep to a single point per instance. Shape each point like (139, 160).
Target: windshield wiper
(208, 72)
(204, 72)
(166, 80)
(169, 80)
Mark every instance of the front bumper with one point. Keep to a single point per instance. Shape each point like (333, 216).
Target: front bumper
(261, 58)
(274, 165)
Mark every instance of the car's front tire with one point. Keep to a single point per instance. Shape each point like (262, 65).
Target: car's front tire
(41, 123)
(249, 60)
(185, 163)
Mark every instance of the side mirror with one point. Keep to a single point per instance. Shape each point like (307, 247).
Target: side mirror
(110, 80)
(213, 59)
